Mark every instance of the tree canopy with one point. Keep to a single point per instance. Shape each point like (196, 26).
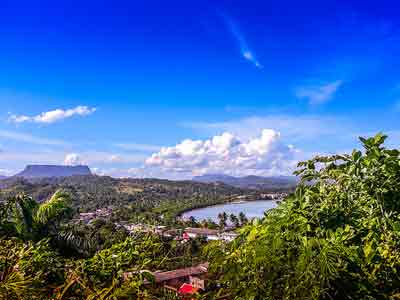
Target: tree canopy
(336, 237)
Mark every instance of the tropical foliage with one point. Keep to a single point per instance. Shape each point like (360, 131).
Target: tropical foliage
(336, 237)
(32, 221)
(28, 270)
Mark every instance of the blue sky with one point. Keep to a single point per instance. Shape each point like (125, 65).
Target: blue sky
(110, 83)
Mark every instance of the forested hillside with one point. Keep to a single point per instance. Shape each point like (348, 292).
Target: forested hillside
(336, 237)
(89, 193)
(272, 183)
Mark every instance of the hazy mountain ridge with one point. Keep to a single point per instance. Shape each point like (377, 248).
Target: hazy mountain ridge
(252, 181)
(92, 192)
(43, 171)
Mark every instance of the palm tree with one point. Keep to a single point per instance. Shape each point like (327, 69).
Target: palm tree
(33, 221)
(29, 220)
(223, 217)
(234, 220)
(243, 219)
(192, 221)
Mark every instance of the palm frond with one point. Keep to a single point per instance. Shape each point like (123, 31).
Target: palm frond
(54, 209)
(22, 208)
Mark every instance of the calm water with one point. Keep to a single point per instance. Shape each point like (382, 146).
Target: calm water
(252, 209)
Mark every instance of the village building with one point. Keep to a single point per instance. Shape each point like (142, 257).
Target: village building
(102, 213)
(181, 282)
(228, 236)
(209, 234)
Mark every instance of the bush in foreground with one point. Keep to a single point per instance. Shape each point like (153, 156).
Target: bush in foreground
(336, 237)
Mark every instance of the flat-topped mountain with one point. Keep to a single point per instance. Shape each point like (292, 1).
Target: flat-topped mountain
(254, 182)
(42, 171)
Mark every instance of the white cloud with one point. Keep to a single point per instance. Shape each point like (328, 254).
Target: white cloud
(73, 159)
(310, 133)
(318, 94)
(6, 172)
(103, 158)
(297, 129)
(27, 138)
(237, 34)
(138, 147)
(248, 55)
(227, 154)
(114, 158)
(53, 116)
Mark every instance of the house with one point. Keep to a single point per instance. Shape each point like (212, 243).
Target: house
(180, 282)
(187, 290)
(171, 233)
(183, 282)
(228, 236)
(209, 234)
(183, 275)
(185, 236)
(101, 213)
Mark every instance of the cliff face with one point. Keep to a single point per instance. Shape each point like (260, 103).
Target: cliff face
(40, 171)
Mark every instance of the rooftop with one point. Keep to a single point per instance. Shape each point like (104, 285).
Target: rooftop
(179, 273)
(204, 231)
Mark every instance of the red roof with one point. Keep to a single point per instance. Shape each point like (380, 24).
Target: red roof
(187, 289)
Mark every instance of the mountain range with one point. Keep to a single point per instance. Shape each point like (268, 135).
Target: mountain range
(253, 182)
(272, 183)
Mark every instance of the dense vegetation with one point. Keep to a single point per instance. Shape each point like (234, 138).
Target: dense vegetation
(336, 237)
(147, 200)
(41, 257)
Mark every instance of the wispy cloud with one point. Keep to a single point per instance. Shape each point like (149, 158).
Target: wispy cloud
(318, 94)
(297, 128)
(27, 138)
(53, 116)
(103, 158)
(397, 106)
(245, 50)
(138, 147)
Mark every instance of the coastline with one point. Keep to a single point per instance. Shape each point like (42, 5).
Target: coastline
(180, 215)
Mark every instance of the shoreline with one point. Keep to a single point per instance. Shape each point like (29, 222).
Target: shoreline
(224, 203)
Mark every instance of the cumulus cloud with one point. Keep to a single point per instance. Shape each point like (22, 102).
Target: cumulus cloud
(227, 154)
(53, 116)
(245, 50)
(73, 159)
(318, 94)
